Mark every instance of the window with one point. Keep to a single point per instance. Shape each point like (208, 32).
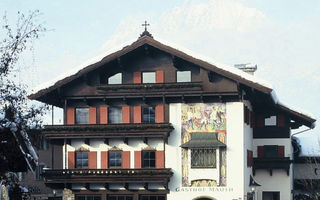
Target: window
(115, 79)
(123, 197)
(115, 159)
(82, 159)
(148, 115)
(148, 77)
(82, 115)
(148, 159)
(183, 76)
(203, 158)
(270, 151)
(270, 195)
(114, 115)
(271, 121)
(39, 172)
(88, 197)
(152, 197)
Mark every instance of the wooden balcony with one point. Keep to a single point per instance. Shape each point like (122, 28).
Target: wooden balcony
(108, 131)
(271, 164)
(125, 176)
(149, 89)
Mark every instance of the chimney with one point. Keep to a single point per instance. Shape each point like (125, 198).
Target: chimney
(248, 67)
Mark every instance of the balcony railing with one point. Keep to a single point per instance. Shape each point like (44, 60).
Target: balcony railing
(107, 175)
(108, 131)
(271, 164)
(149, 89)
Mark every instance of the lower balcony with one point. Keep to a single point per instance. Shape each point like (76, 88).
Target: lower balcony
(271, 164)
(123, 176)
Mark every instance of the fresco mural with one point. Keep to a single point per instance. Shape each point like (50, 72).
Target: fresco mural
(206, 118)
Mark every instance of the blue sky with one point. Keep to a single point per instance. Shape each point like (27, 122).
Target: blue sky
(281, 37)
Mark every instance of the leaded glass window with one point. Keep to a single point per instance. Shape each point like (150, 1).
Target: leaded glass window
(203, 158)
(148, 115)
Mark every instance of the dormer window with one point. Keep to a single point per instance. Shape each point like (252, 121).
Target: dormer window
(148, 77)
(183, 76)
(115, 79)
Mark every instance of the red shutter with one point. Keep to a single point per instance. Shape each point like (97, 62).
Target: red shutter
(92, 160)
(280, 151)
(253, 120)
(280, 121)
(137, 159)
(137, 77)
(159, 113)
(104, 160)
(159, 159)
(70, 116)
(137, 114)
(126, 159)
(125, 114)
(92, 115)
(160, 76)
(260, 120)
(260, 151)
(103, 114)
(71, 160)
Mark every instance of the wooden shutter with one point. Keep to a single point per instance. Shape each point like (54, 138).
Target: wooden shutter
(137, 159)
(159, 113)
(125, 114)
(103, 114)
(137, 77)
(280, 121)
(280, 151)
(260, 151)
(159, 159)
(159, 76)
(137, 114)
(71, 160)
(92, 160)
(104, 160)
(126, 159)
(92, 115)
(260, 120)
(249, 158)
(70, 116)
(253, 120)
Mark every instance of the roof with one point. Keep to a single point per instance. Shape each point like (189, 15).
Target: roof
(203, 140)
(204, 62)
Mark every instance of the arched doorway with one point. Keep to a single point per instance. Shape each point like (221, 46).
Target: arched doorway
(204, 198)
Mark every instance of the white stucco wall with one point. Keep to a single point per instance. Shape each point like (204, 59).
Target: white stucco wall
(235, 161)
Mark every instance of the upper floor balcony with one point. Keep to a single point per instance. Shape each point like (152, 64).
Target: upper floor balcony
(142, 130)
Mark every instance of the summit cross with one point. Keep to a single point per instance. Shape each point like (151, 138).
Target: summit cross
(145, 25)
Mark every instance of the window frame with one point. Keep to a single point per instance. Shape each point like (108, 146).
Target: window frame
(148, 196)
(148, 72)
(126, 196)
(109, 114)
(109, 158)
(149, 159)
(86, 196)
(204, 159)
(142, 115)
(183, 71)
(76, 160)
(75, 115)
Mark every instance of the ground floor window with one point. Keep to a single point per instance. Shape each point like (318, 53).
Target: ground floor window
(152, 197)
(270, 195)
(122, 197)
(88, 197)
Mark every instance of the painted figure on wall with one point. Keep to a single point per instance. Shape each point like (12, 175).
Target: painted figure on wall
(205, 118)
